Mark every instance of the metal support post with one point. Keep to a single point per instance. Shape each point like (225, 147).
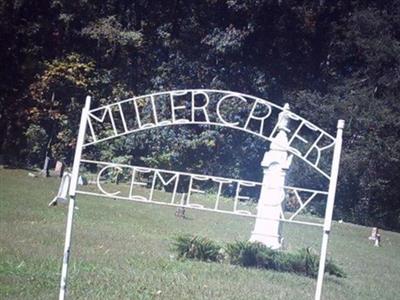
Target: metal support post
(72, 196)
(329, 207)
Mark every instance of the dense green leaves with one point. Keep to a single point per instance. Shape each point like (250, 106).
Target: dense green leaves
(253, 254)
(196, 247)
(329, 59)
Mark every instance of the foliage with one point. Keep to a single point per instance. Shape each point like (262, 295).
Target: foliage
(36, 137)
(111, 31)
(304, 261)
(333, 269)
(60, 77)
(249, 254)
(196, 247)
(329, 59)
(58, 96)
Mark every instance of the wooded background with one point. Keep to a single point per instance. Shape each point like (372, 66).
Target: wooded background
(328, 59)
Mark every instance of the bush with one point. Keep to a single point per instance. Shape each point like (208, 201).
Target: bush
(36, 144)
(332, 269)
(195, 247)
(304, 261)
(248, 254)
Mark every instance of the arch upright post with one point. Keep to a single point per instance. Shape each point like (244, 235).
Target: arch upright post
(329, 207)
(72, 196)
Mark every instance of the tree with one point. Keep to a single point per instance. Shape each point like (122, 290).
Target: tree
(58, 96)
(328, 59)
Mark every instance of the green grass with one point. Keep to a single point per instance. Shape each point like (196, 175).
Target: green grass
(122, 250)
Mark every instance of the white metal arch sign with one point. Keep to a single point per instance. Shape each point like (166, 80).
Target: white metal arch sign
(289, 135)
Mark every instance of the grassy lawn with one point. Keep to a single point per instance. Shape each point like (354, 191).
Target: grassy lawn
(121, 250)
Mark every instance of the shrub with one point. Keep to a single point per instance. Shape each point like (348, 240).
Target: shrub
(332, 269)
(195, 247)
(304, 261)
(37, 140)
(249, 254)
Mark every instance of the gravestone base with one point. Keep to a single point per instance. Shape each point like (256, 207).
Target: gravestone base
(271, 241)
(267, 229)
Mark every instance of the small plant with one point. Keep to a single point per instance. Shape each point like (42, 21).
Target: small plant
(196, 247)
(332, 269)
(248, 254)
(257, 255)
(306, 262)
(303, 262)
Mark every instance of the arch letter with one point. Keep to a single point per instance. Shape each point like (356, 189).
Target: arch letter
(98, 181)
(133, 182)
(252, 116)
(201, 108)
(219, 105)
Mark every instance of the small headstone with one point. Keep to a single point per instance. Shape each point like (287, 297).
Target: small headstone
(62, 195)
(374, 231)
(82, 180)
(378, 240)
(375, 236)
(180, 211)
(59, 169)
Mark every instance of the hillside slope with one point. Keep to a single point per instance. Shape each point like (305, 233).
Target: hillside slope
(121, 250)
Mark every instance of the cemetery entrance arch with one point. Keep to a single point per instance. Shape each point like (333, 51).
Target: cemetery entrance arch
(203, 107)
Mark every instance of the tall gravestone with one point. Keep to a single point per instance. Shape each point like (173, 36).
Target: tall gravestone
(276, 162)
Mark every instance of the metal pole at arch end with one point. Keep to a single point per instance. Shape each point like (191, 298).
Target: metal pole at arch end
(72, 195)
(329, 207)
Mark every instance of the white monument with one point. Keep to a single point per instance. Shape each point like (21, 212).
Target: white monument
(276, 162)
